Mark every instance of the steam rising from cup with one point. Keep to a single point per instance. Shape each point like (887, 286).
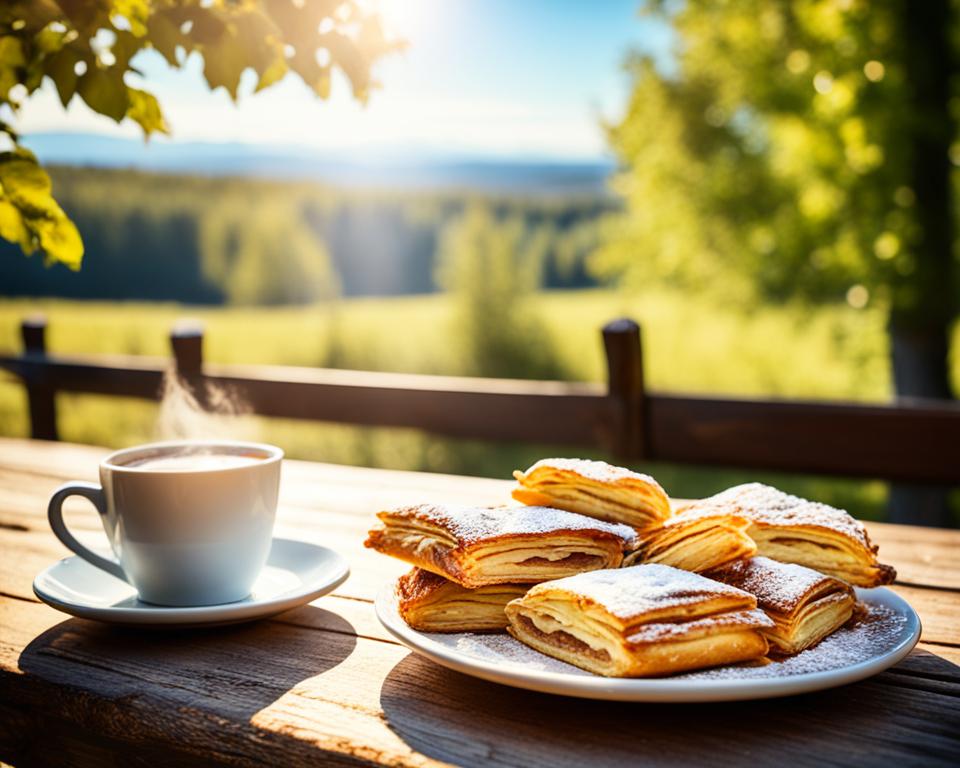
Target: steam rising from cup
(202, 410)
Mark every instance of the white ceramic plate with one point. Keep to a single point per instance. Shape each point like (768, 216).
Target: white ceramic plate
(890, 634)
(296, 573)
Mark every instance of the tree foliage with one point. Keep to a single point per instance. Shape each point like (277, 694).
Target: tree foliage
(492, 266)
(266, 255)
(775, 153)
(165, 237)
(88, 49)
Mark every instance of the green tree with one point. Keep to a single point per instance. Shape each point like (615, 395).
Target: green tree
(800, 148)
(88, 47)
(264, 253)
(491, 267)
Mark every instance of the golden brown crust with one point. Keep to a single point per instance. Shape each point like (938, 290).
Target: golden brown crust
(594, 488)
(417, 586)
(794, 530)
(436, 559)
(476, 546)
(702, 537)
(805, 606)
(431, 603)
(644, 621)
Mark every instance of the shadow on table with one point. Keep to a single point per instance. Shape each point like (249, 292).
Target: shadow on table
(452, 717)
(235, 671)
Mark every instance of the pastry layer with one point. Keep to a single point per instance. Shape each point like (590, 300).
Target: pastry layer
(431, 603)
(804, 605)
(479, 546)
(594, 488)
(643, 621)
(794, 530)
(702, 537)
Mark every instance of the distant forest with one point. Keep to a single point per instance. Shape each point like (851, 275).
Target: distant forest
(215, 240)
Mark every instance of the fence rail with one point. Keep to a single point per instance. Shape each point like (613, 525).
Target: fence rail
(917, 442)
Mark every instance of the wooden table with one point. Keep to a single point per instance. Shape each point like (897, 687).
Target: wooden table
(325, 684)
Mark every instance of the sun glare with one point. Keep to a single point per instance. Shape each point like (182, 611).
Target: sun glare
(408, 19)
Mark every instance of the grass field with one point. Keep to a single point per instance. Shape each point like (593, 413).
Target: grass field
(833, 352)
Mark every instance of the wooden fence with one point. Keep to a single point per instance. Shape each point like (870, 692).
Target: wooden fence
(916, 442)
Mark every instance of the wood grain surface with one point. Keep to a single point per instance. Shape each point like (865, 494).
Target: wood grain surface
(324, 683)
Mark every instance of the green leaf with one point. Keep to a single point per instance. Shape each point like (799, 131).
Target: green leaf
(127, 46)
(11, 63)
(224, 62)
(30, 216)
(231, 36)
(61, 69)
(49, 40)
(145, 110)
(355, 66)
(13, 227)
(317, 78)
(165, 36)
(208, 26)
(60, 241)
(272, 74)
(136, 12)
(11, 52)
(33, 76)
(36, 13)
(259, 38)
(105, 92)
(26, 184)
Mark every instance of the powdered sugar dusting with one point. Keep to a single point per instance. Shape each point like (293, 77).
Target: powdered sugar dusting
(628, 593)
(472, 524)
(708, 509)
(599, 471)
(503, 649)
(877, 632)
(779, 587)
(768, 506)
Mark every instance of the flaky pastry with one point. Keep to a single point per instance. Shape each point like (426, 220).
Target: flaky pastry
(431, 603)
(702, 537)
(794, 530)
(594, 488)
(477, 546)
(644, 621)
(805, 605)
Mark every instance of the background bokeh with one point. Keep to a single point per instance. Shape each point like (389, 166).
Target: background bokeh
(750, 181)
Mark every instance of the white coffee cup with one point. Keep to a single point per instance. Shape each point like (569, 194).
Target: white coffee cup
(189, 522)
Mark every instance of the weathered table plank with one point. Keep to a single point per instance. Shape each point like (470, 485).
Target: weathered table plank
(324, 683)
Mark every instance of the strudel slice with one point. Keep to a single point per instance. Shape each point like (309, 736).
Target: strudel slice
(594, 488)
(431, 603)
(643, 621)
(701, 537)
(794, 530)
(804, 605)
(477, 546)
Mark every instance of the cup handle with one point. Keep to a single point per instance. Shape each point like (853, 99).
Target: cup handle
(94, 493)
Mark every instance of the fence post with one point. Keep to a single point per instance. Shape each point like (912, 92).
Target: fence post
(186, 340)
(40, 395)
(621, 342)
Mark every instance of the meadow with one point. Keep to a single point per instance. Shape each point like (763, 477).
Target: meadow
(690, 346)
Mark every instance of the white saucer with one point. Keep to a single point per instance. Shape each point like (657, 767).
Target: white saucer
(296, 573)
(838, 660)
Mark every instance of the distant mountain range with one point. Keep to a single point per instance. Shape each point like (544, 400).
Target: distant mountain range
(380, 168)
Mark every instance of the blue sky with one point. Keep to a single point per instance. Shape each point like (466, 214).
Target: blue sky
(498, 78)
